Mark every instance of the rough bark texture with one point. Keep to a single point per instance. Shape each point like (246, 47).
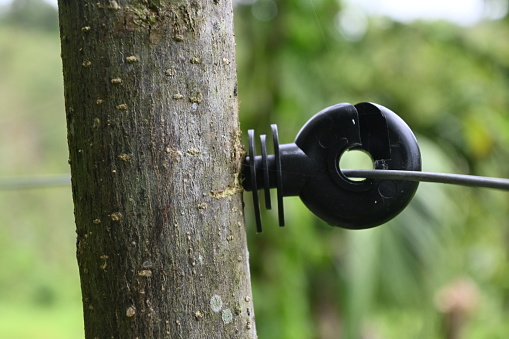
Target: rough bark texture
(150, 89)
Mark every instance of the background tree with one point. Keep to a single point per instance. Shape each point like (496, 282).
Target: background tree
(155, 156)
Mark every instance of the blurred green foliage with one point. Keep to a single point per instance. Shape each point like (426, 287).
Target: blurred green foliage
(310, 280)
(39, 283)
(450, 84)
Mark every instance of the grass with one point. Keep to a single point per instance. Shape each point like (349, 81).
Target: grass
(26, 321)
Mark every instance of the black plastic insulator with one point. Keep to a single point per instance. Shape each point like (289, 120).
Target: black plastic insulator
(309, 167)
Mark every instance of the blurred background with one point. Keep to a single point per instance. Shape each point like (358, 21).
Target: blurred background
(439, 268)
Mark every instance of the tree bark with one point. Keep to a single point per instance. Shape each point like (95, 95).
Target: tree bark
(155, 155)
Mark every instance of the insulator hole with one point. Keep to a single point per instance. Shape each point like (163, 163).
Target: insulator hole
(356, 160)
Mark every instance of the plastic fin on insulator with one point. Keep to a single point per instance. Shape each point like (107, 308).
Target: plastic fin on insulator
(279, 176)
(252, 170)
(265, 165)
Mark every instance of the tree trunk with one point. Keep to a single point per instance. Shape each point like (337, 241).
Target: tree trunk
(155, 154)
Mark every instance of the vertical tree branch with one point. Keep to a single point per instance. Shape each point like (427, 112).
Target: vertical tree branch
(150, 89)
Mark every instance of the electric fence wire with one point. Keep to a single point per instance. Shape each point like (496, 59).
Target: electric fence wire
(35, 182)
(443, 178)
